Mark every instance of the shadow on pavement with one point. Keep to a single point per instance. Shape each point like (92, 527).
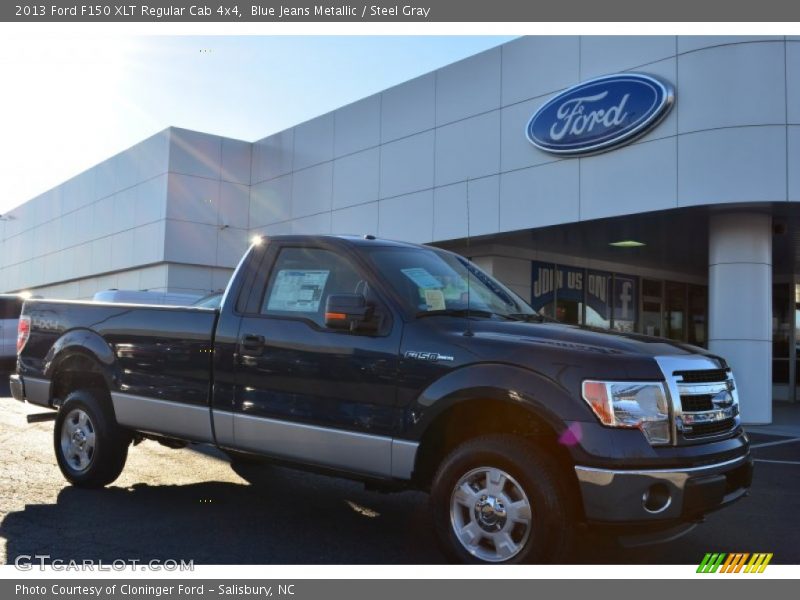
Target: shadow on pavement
(280, 519)
(5, 391)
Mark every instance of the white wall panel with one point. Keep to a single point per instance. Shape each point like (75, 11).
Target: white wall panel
(728, 86)
(468, 87)
(538, 65)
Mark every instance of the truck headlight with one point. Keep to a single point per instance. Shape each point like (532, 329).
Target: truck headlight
(632, 404)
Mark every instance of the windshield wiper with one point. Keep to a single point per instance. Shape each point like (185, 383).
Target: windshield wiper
(456, 312)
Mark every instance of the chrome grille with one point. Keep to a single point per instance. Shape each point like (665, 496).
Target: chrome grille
(697, 403)
(708, 409)
(704, 399)
(702, 375)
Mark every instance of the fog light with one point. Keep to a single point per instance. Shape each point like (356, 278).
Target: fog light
(656, 498)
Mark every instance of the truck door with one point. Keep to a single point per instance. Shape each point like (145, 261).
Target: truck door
(307, 393)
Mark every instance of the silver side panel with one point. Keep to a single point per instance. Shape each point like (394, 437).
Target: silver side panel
(404, 455)
(223, 428)
(37, 391)
(159, 416)
(356, 452)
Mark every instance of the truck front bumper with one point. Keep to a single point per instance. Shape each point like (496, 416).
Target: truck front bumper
(651, 496)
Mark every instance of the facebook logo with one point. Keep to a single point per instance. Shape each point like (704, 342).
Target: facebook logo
(625, 298)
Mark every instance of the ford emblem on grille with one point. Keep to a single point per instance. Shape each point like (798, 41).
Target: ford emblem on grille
(600, 114)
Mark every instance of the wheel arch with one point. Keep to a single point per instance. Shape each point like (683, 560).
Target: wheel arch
(79, 359)
(492, 399)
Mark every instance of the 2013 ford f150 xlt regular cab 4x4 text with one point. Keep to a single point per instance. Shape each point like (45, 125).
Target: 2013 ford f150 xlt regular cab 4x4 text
(403, 366)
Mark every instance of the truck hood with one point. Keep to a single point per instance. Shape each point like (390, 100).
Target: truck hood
(582, 339)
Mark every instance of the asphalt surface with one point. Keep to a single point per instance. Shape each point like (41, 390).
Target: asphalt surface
(192, 504)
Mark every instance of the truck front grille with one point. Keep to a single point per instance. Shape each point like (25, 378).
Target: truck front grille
(702, 376)
(697, 403)
(708, 405)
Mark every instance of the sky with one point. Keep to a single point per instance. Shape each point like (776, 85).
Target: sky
(68, 103)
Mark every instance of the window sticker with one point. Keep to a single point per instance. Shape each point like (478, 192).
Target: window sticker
(297, 290)
(434, 299)
(454, 288)
(422, 278)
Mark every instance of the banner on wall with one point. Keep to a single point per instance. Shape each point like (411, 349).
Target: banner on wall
(542, 284)
(594, 287)
(626, 302)
(598, 288)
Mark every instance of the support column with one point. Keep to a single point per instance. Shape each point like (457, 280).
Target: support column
(740, 306)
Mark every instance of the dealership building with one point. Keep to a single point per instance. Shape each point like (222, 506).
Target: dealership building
(681, 223)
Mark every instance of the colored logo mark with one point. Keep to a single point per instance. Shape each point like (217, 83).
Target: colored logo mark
(600, 114)
(736, 562)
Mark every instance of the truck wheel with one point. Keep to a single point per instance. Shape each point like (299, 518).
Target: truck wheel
(91, 448)
(497, 499)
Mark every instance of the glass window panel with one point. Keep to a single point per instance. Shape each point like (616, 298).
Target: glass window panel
(652, 307)
(598, 302)
(570, 295)
(698, 315)
(625, 303)
(781, 322)
(542, 285)
(675, 300)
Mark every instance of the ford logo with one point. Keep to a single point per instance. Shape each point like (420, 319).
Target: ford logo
(600, 114)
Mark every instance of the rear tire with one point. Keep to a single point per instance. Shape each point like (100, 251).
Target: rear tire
(91, 449)
(501, 499)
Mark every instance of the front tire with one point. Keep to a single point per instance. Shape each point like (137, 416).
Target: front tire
(91, 449)
(499, 499)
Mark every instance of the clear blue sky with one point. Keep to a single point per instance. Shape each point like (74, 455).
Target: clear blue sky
(70, 102)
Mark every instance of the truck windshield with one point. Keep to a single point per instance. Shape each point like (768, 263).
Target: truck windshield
(432, 281)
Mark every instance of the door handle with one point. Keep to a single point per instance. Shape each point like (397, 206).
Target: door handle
(252, 343)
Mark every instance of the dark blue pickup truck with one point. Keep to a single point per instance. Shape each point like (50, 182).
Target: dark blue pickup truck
(402, 366)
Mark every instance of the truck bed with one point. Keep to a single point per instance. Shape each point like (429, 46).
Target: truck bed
(160, 353)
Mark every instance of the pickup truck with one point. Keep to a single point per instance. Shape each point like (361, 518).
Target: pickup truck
(405, 367)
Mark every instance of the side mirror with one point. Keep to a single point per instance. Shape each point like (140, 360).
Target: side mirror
(349, 312)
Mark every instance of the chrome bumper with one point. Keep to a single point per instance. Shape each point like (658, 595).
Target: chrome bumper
(641, 496)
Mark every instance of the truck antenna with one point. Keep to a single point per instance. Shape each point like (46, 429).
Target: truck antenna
(468, 331)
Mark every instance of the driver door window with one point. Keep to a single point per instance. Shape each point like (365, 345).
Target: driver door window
(302, 280)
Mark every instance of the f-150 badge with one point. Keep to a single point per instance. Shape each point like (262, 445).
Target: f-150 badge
(428, 356)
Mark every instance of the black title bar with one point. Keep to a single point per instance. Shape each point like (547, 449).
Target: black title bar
(241, 11)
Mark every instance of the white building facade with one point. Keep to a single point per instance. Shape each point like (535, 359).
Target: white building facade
(711, 192)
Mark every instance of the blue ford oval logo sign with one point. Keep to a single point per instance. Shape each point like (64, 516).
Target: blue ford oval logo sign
(600, 114)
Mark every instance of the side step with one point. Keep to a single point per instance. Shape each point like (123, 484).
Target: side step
(41, 417)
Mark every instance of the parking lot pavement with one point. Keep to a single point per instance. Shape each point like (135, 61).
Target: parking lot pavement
(187, 504)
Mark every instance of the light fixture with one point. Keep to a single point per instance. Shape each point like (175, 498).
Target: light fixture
(627, 244)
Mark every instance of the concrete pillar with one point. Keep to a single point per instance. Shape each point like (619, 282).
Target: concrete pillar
(740, 306)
